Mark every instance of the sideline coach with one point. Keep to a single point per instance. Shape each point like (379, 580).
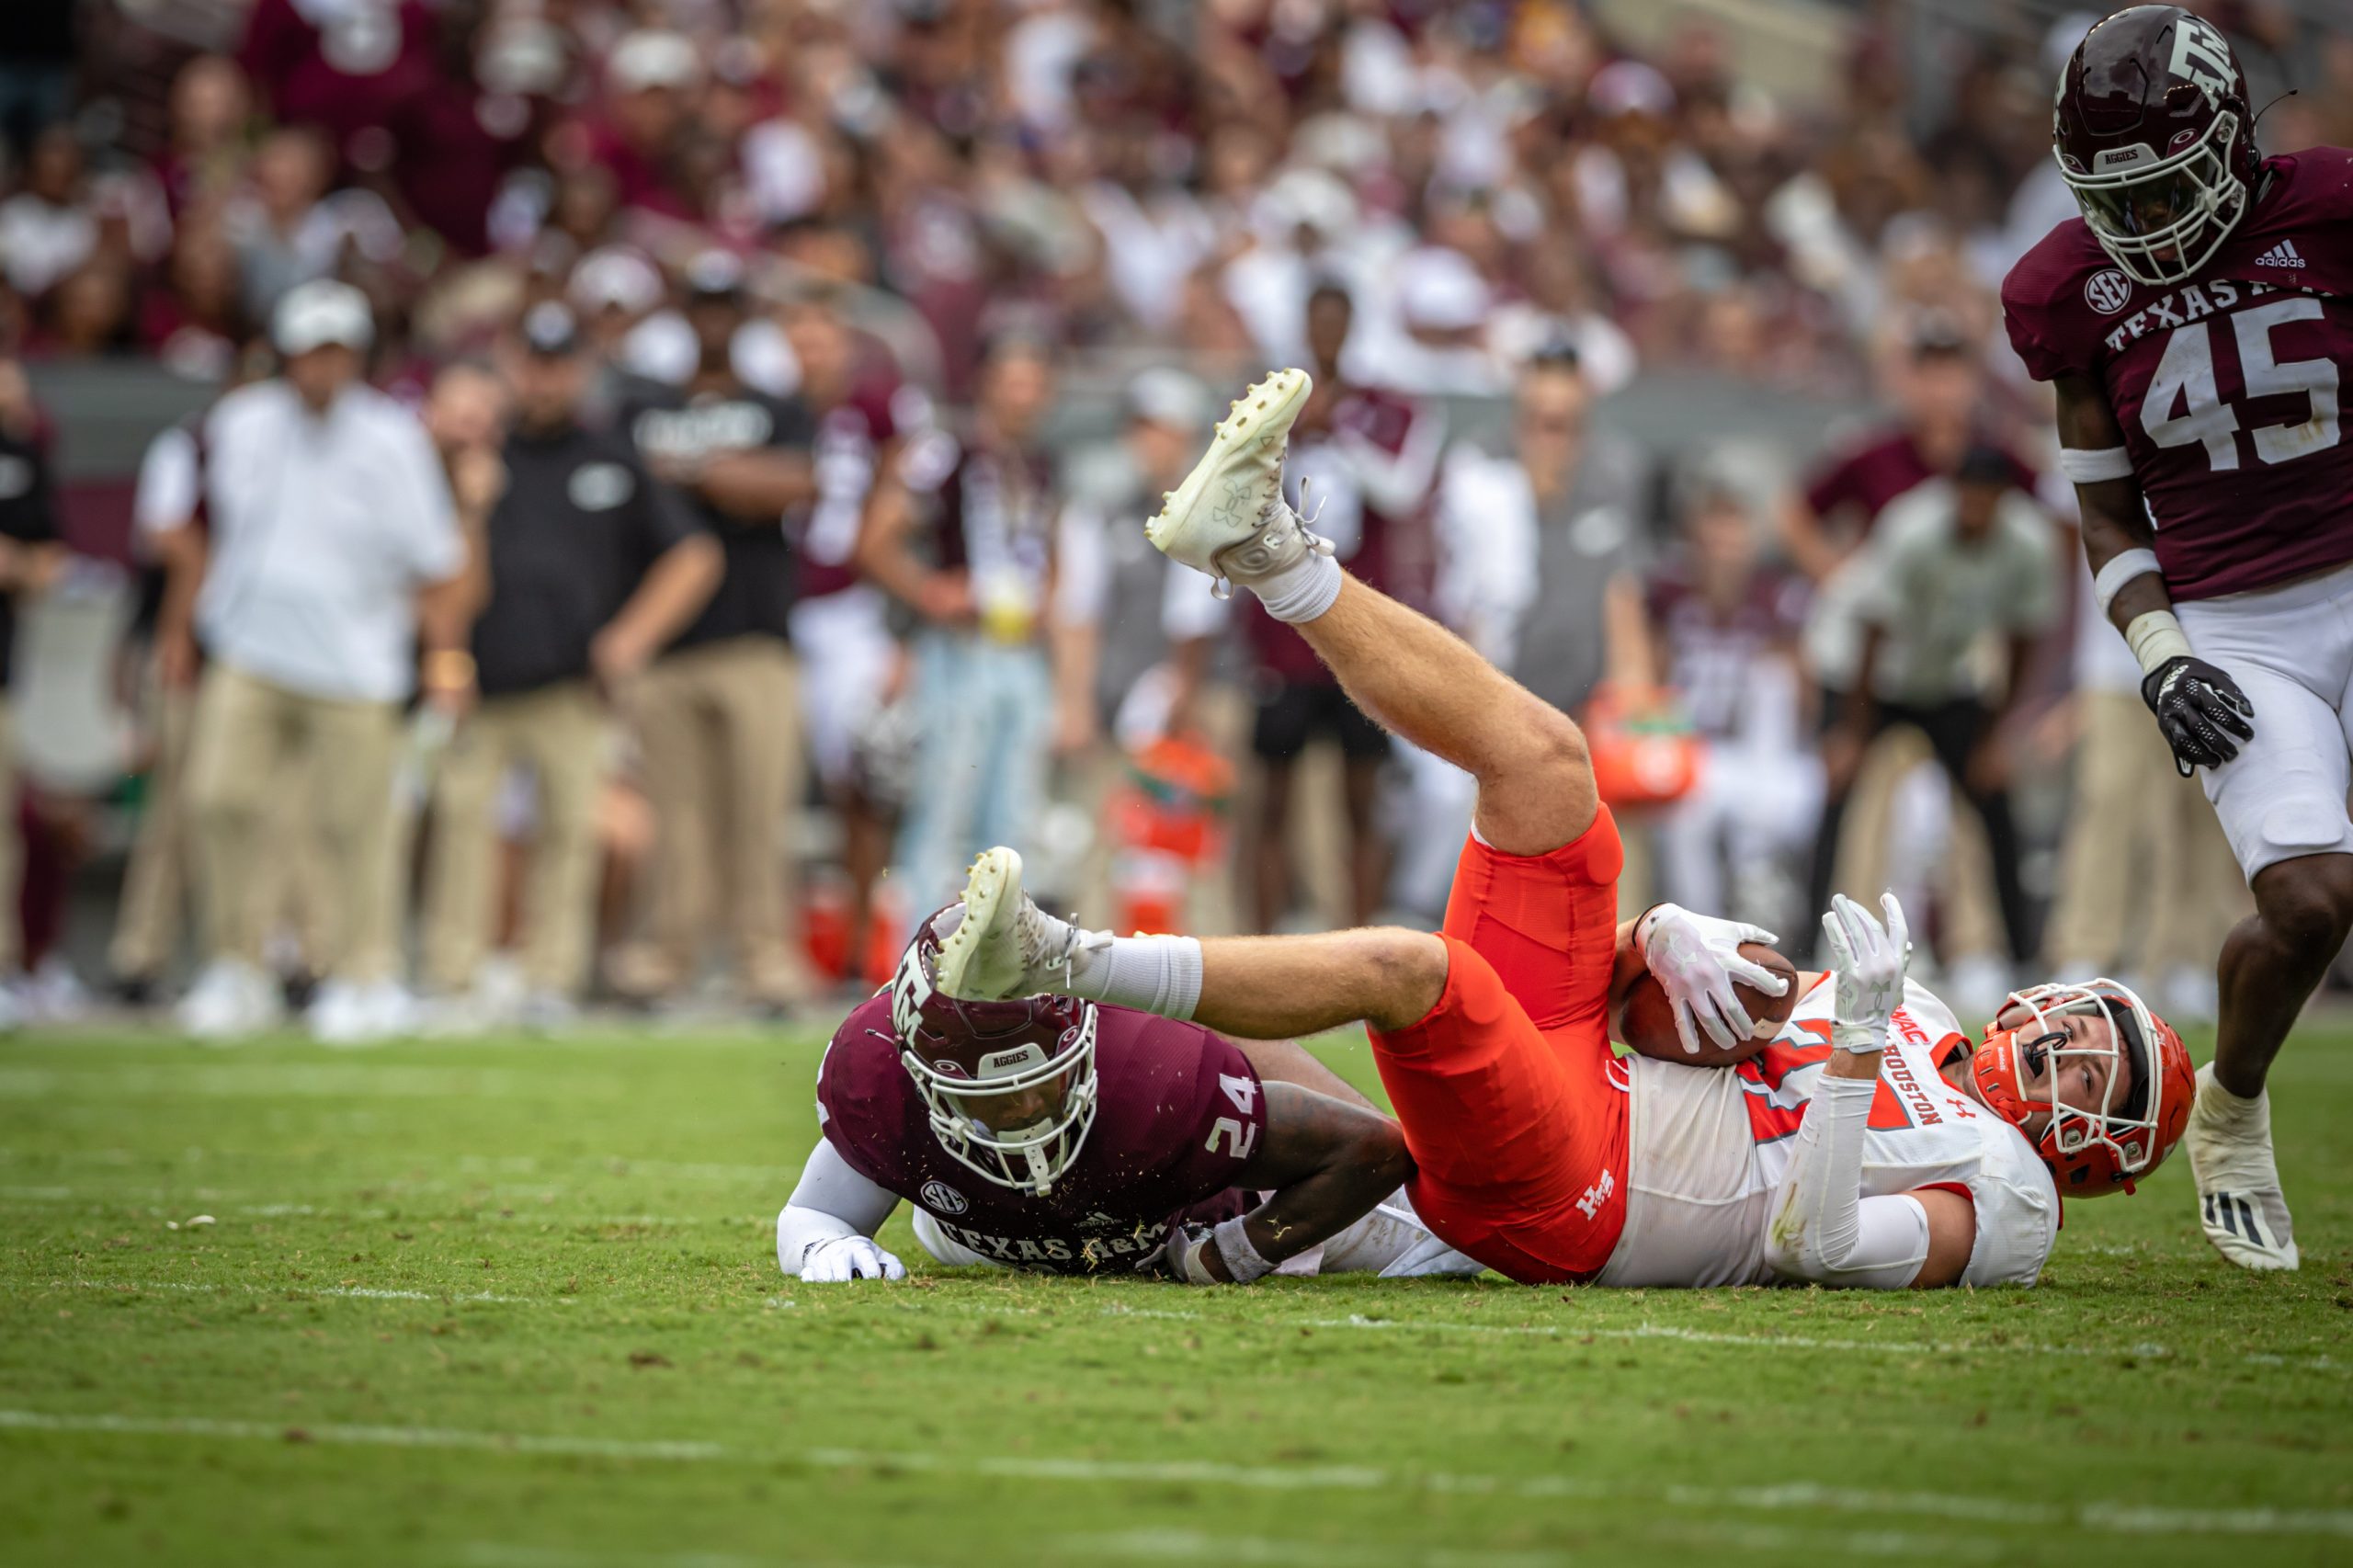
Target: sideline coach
(593, 568)
(718, 717)
(335, 547)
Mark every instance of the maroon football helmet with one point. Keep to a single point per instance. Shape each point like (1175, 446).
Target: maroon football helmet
(1010, 1087)
(2153, 133)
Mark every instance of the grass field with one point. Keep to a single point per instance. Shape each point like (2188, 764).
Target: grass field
(514, 1306)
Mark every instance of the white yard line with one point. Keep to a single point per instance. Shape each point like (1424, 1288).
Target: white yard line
(2093, 1518)
(1199, 1546)
(1355, 1323)
(348, 1292)
(515, 1211)
(1916, 1347)
(368, 1437)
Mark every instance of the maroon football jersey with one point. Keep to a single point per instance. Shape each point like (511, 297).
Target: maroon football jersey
(2227, 388)
(1711, 650)
(1180, 1112)
(1880, 468)
(850, 438)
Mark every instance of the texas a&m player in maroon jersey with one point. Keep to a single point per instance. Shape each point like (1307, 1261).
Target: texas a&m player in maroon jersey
(2195, 322)
(1068, 1136)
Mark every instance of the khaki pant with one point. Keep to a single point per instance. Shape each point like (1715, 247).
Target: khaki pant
(2146, 881)
(560, 733)
(720, 729)
(159, 879)
(155, 882)
(258, 756)
(1972, 923)
(12, 849)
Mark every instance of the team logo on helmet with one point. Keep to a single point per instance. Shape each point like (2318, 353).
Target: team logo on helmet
(946, 1199)
(2201, 57)
(2109, 291)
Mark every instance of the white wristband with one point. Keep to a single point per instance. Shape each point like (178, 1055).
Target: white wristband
(2129, 566)
(2155, 638)
(1242, 1259)
(2095, 465)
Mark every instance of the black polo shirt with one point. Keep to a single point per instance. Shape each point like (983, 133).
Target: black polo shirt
(580, 524)
(757, 595)
(27, 516)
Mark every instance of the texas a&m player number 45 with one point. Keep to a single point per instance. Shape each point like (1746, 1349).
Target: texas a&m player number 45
(2195, 322)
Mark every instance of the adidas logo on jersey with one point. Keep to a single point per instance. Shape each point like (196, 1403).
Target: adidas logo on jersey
(2281, 254)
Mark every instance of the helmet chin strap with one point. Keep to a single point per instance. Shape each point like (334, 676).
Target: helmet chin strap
(1040, 1175)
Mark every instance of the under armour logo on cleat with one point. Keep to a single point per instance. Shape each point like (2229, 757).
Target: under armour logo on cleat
(2281, 254)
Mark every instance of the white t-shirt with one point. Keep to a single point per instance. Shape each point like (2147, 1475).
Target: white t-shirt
(1707, 1148)
(323, 529)
(1935, 598)
(170, 475)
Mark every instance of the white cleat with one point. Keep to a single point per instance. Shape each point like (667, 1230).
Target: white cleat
(1004, 945)
(230, 1000)
(2239, 1201)
(1228, 520)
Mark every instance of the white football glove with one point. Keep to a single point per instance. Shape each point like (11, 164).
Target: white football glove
(1867, 960)
(849, 1257)
(1697, 960)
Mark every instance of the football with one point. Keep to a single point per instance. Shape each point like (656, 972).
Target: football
(1645, 1023)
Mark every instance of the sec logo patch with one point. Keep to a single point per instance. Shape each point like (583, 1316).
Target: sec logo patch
(2109, 291)
(940, 1196)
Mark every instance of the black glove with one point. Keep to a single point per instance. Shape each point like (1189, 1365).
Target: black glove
(2199, 709)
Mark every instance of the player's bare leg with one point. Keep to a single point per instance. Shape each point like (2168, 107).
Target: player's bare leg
(1416, 678)
(2271, 963)
(1258, 987)
(1388, 977)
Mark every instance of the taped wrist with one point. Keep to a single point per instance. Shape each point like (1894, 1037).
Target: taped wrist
(800, 1232)
(1858, 1038)
(2157, 637)
(1242, 1259)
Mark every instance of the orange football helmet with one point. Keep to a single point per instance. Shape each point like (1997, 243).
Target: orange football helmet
(2090, 1153)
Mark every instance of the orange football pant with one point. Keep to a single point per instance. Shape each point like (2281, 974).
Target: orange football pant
(1507, 1092)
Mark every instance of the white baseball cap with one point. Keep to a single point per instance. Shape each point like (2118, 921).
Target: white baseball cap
(311, 315)
(1164, 395)
(615, 277)
(1440, 290)
(653, 58)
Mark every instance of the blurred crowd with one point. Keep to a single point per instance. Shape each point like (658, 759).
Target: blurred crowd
(647, 537)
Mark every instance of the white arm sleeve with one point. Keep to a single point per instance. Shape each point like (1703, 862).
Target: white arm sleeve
(1824, 1228)
(831, 1201)
(419, 505)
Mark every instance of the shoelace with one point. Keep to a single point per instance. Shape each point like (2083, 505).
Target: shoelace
(1222, 588)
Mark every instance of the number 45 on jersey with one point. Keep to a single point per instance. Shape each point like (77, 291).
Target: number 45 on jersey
(2185, 380)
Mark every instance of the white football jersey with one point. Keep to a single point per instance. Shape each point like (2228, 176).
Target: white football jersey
(1708, 1146)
